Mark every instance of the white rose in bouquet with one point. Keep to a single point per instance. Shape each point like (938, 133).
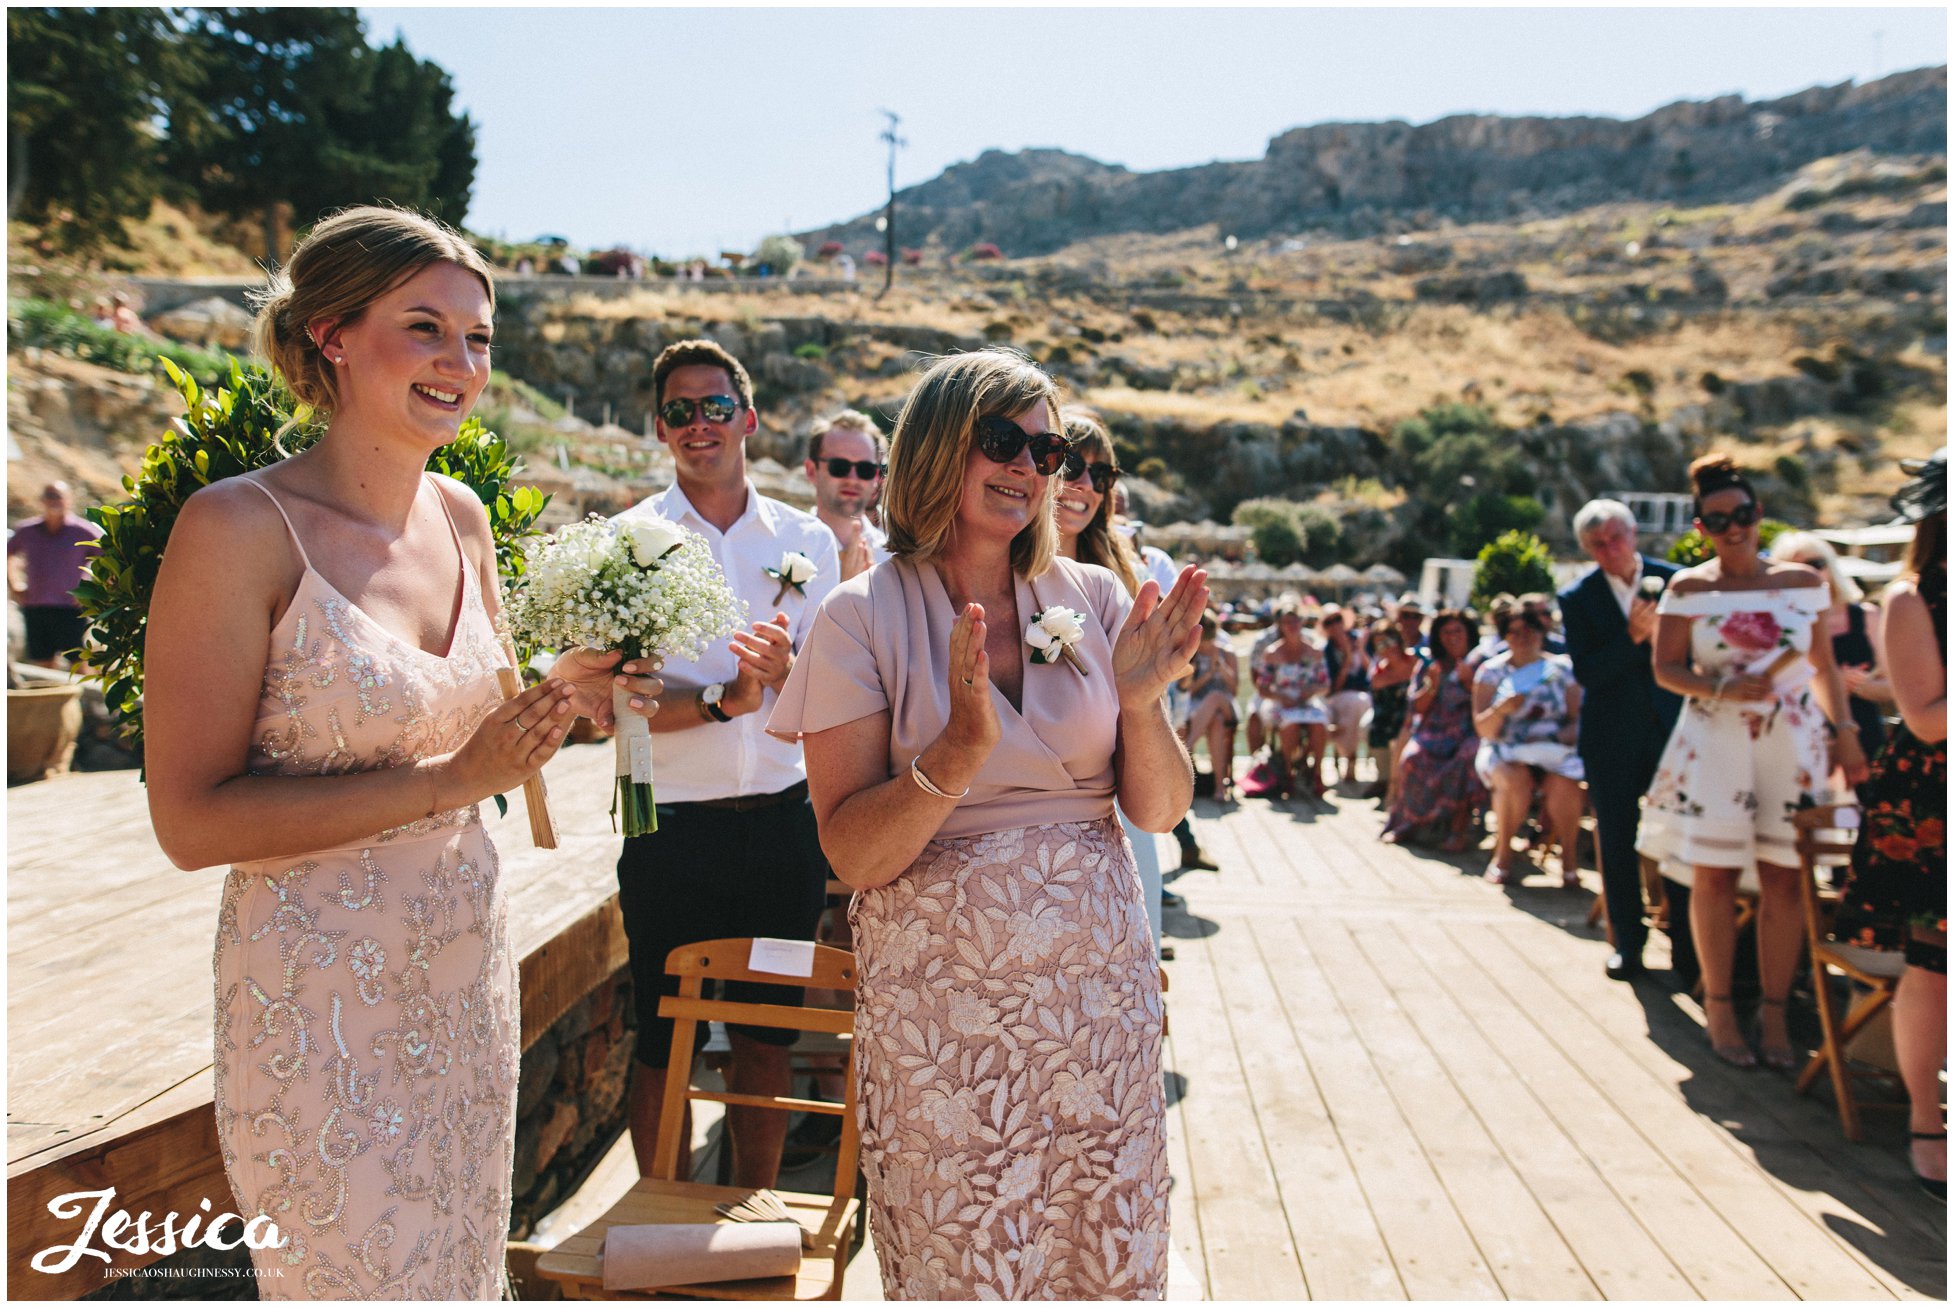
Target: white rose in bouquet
(651, 539)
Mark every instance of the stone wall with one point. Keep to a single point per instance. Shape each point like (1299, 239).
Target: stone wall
(571, 1099)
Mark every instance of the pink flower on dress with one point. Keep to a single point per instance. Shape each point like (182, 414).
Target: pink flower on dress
(1752, 632)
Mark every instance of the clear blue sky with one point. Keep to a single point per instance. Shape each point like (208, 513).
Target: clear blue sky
(682, 131)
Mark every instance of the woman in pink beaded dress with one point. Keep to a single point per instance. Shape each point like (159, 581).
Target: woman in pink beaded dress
(322, 712)
(1007, 1010)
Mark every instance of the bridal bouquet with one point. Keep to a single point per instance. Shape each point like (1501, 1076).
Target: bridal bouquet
(635, 583)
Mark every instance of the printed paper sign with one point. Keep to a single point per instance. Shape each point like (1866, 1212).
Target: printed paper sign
(782, 957)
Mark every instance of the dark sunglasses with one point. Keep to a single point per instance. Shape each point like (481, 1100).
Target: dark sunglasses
(713, 408)
(1715, 524)
(1102, 476)
(860, 469)
(1000, 439)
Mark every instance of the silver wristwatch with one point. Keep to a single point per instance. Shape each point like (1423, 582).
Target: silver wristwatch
(709, 701)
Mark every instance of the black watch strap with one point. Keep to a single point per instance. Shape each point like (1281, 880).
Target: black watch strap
(713, 711)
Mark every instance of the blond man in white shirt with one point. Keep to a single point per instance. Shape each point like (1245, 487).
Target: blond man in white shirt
(736, 852)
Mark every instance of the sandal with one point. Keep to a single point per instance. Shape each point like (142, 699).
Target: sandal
(1497, 875)
(1737, 1055)
(1938, 1189)
(1778, 1058)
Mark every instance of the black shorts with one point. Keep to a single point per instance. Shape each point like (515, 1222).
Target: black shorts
(712, 873)
(52, 629)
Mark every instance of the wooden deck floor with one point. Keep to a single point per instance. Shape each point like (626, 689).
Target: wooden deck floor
(1390, 1080)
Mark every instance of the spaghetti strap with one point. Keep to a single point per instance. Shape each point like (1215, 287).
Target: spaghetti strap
(296, 543)
(467, 568)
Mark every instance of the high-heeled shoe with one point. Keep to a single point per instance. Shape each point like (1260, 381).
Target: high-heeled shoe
(1737, 1055)
(1938, 1189)
(1781, 1058)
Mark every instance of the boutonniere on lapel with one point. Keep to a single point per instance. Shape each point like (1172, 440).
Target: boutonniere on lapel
(796, 570)
(1053, 633)
(1651, 587)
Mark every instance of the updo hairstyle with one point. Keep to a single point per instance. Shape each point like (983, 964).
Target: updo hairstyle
(348, 261)
(1718, 472)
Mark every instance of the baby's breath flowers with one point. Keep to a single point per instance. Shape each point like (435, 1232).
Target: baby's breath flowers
(635, 583)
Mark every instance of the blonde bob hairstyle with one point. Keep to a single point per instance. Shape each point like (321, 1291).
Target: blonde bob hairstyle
(1815, 552)
(346, 263)
(931, 447)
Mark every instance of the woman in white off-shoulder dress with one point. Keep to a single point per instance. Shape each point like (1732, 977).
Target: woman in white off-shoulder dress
(1734, 638)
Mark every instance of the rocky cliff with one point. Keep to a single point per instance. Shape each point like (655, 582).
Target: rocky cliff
(1360, 178)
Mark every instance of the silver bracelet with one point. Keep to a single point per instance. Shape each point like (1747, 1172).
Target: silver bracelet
(916, 772)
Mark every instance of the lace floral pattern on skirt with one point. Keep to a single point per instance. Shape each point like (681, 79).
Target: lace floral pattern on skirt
(1008, 1025)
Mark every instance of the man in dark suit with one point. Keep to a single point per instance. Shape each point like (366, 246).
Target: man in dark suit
(1609, 616)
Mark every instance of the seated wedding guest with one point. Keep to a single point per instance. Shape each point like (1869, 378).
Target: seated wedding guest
(322, 711)
(735, 854)
(1438, 788)
(1493, 639)
(1391, 671)
(970, 711)
(1735, 638)
(1210, 690)
(1410, 617)
(1541, 606)
(846, 457)
(1349, 700)
(1625, 722)
(1526, 705)
(1292, 676)
(1897, 895)
(1853, 625)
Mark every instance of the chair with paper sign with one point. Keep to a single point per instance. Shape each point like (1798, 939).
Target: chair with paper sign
(1825, 836)
(666, 1199)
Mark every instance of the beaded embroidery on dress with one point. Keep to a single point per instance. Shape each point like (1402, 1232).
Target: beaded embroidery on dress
(367, 1027)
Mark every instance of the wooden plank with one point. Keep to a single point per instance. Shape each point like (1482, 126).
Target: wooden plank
(1433, 1251)
(1603, 1235)
(1601, 1121)
(1342, 1252)
(1891, 1230)
(1184, 1215)
(1525, 1254)
(1244, 1236)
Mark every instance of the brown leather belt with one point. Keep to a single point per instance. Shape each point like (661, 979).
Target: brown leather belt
(747, 803)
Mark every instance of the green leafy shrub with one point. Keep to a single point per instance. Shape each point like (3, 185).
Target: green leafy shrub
(780, 253)
(251, 423)
(813, 351)
(1277, 542)
(1516, 563)
(46, 325)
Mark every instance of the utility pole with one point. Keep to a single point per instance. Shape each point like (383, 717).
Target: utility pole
(888, 223)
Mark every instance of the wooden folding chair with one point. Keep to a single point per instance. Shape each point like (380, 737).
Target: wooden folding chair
(1825, 837)
(666, 1198)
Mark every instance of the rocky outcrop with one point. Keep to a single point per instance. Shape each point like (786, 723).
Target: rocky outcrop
(1361, 178)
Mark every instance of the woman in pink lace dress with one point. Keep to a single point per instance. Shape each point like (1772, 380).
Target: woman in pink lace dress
(1008, 1013)
(322, 712)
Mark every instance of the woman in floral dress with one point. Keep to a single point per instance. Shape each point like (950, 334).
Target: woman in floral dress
(1438, 787)
(1897, 897)
(963, 773)
(1734, 638)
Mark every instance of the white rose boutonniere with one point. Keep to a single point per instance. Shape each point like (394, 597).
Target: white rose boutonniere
(1053, 633)
(796, 570)
(1651, 587)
